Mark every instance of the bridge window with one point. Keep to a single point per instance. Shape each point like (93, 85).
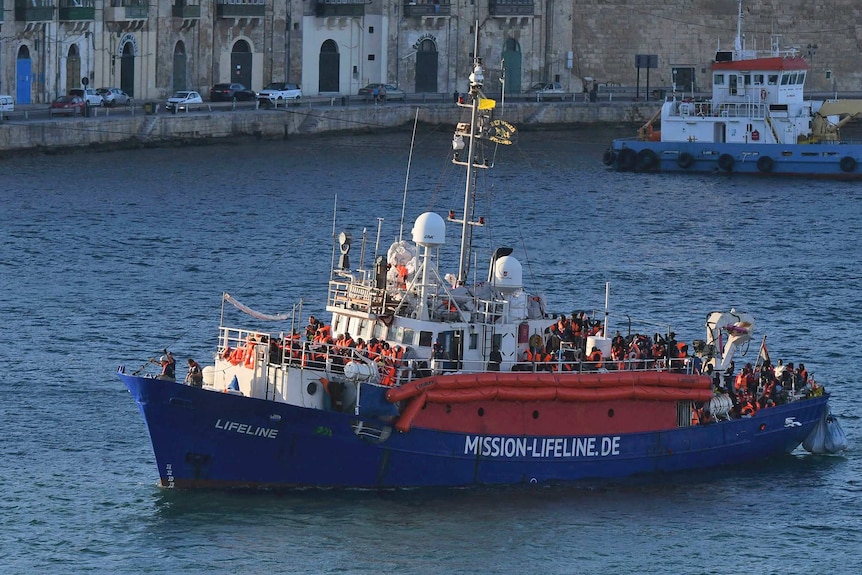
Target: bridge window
(773, 79)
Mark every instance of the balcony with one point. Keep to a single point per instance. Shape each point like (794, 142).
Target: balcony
(349, 8)
(126, 10)
(126, 15)
(420, 8)
(72, 10)
(510, 7)
(26, 11)
(240, 8)
(182, 9)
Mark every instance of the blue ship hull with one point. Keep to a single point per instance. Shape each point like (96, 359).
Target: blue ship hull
(823, 160)
(203, 438)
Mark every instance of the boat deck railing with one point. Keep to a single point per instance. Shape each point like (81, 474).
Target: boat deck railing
(399, 365)
(758, 110)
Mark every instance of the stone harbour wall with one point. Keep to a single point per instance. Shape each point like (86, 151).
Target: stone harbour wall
(167, 129)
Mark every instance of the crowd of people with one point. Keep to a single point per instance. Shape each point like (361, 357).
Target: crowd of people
(317, 348)
(564, 346)
(758, 387)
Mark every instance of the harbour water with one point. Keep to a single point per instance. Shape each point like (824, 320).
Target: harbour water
(107, 258)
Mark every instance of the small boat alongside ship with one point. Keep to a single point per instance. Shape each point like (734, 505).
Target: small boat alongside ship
(422, 378)
(757, 122)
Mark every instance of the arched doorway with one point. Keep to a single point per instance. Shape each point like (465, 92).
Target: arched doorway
(23, 78)
(127, 67)
(426, 66)
(73, 69)
(329, 67)
(512, 65)
(240, 63)
(179, 78)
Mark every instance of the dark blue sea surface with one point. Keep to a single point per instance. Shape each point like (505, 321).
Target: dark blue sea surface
(106, 258)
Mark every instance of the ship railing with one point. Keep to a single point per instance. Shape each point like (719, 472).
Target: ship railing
(751, 109)
(350, 295)
(232, 340)
(492, 311)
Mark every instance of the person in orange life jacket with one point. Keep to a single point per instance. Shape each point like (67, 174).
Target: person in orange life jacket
(802, 373)
(312, 327)
(595, 359)
(169, 366)
(402, 276)
(195, 376)
(670, 346)
(743, 378)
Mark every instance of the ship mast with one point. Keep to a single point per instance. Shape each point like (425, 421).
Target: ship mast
(476, 79)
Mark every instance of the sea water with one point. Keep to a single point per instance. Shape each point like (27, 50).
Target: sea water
(107, 258)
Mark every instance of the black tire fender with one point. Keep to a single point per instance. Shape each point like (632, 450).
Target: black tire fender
(626, 159)
(647, 160)
(685, 160)
(725, 162)
(765, 164)
(848, 164)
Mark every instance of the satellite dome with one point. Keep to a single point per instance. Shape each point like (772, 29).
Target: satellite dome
(429, 230)
(508, 273)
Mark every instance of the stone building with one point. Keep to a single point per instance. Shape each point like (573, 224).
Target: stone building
(151, 48)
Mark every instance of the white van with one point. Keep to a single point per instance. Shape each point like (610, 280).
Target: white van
(7, 104)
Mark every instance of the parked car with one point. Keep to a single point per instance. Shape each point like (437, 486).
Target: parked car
(114, 97)
(231, 93)
(392, 92)
(277, 92)
(89, 95)
(183, 99)
(546, 91)
(67, 106)
(7, 104)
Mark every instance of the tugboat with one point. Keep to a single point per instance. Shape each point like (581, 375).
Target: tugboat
(422, 378)
(756, 122)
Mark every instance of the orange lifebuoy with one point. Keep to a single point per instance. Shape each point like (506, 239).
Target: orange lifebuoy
(755, 136)
(763, 94)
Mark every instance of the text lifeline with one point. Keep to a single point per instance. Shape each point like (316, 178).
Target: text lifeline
(247, 429)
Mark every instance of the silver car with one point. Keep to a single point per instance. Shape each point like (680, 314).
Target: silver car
(183, 99)
(546, 91)
(114, 97)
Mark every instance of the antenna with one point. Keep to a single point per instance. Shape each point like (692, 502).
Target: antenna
(407, 177)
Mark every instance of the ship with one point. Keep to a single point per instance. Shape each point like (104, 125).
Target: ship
(757, 122)
(422, 378)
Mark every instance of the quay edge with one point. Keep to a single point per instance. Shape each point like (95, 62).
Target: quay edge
(164, 129)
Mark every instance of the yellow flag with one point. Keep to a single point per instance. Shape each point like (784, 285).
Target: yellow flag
(487, 103)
